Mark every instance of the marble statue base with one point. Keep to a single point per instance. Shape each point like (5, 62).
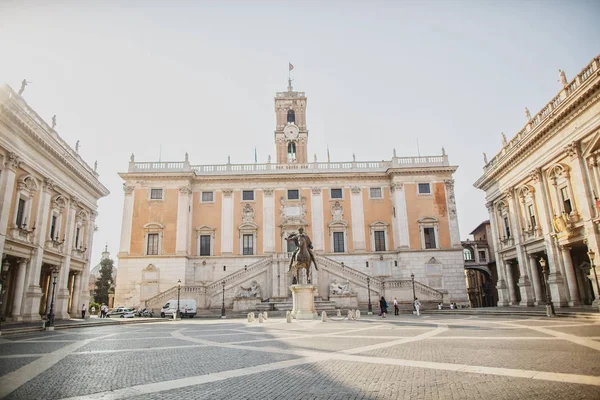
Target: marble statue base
(303, 298)
(245, 303)
(345, 300)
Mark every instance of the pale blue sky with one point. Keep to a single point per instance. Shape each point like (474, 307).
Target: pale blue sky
(200, 77)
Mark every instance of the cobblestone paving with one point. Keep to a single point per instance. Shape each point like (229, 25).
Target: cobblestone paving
(405, 357)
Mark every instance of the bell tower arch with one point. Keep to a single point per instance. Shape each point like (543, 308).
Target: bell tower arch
(291, 134)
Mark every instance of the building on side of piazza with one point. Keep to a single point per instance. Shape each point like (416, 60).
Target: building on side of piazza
(542, 196)
(223, 227)
(48, 202)
(480, 267)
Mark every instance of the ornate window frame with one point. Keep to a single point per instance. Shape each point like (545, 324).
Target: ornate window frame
(331, 198)
(559, 176)
(150, 228)
(338, 226)
(205, 230)
(248, 228)
(379, 226)
(81, 222)
(380, 192)
(207, 201)
(429, 222)
(27, 186)
(162, 198)
(419, 193)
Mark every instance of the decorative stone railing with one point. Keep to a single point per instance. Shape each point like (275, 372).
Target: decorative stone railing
(419, 287)
(537, 121)
(269, 168)
(238, 275)
(23, 234)
(347, 271)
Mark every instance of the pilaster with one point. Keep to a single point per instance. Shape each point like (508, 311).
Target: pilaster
(400, 217)
(62, 283)
(358, 219)
(7, 186)
(127, 221)
(19, 289)
(503, 296)
(318, 231)
(227, 222)
(452, 215)
(183, 221)
(268, 230)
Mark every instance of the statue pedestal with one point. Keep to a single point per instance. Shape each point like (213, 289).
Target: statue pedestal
(245, 303)
(303, 298)
(348, 300)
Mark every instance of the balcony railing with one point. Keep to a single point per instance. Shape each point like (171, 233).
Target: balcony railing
(269, 168)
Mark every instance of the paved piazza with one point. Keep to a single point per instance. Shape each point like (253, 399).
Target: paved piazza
(406, 357)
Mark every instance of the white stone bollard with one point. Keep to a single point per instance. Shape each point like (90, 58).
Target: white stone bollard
(357, 314)
(288, 317)
(265, 315)
(260, 318)
(250, 317)
(350, 316)
(323, 316)
(339, 313)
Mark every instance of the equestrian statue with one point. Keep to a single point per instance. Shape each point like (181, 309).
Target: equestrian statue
(303, 255)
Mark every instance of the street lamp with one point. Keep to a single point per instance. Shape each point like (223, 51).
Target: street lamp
(591, 256)
(369, 291)
(5, 267)
(50, 324)
(223, 302)
(178, 291)
(412, 279)
(549, 306)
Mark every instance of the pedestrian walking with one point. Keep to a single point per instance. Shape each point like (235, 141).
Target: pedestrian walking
(83, 310)
(396, 310)
(383, 305)
(417, 306)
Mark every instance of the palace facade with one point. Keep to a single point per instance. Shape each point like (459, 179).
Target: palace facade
(542, 196)
(221, 228)
(48, 202)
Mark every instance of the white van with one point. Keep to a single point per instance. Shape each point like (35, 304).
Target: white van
(187, 307)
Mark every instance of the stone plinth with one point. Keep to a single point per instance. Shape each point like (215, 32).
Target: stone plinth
(303, 298)
(344, 300)
(245, 303)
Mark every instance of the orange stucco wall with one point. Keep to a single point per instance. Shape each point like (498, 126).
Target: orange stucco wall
(162, 211)
(238, 206)
(208, 214)
(328, 202)
(378, 210)
(420, 206)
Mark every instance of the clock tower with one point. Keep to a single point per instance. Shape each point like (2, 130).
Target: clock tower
(291, 135)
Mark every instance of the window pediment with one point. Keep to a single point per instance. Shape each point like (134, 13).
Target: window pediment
(154, 225)
(248, 226)
(427, 221)
(379, 224)
(28, 183)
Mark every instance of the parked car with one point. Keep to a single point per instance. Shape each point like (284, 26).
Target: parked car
(187, 308)
(120, 312)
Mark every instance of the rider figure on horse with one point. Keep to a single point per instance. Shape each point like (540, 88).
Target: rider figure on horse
(309, 245)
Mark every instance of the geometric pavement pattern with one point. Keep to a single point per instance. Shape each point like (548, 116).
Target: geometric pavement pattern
(400, 357)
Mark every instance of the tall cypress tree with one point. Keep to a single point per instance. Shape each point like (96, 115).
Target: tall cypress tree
(103, 283)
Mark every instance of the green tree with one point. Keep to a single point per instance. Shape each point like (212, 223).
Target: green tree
(104, 282)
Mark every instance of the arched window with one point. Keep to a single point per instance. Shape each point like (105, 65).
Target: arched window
(468, 254)
(292, 152)
(291, 117)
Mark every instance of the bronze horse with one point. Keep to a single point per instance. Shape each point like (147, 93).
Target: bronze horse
(303, 257)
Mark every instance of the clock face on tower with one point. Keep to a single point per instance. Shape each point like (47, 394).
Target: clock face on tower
(291, 132)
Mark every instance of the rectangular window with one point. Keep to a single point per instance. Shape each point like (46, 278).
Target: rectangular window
(248, 245)
(207, 197)
(248, 195)
(152, 244)
(291, 246)
(424, 188)
(21, 213)
(156, 194)
(205, 244)
(375, 193)
(481, 255)
(293, 194)
(336, 193)
(429, 234)
(379, 240)
(531, 216)
(506, 227)
(338, 242)
(566, 200)
(53, 227)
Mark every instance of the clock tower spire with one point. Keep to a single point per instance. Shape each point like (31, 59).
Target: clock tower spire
(291, 134)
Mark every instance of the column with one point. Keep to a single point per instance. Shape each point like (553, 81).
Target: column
(400, 217)
(452, 217)
(84, 293)
(535, 277)
(76, 304)
(501, 284)
(183, 221)
(227, 222)
(268, 225)
(512, 290)
(61, 302)
(316, 203)
(33, 295)
(127, 220)
(7, 186)
(571, 278)
(525, 288)
(19, 289)
(358, 219)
